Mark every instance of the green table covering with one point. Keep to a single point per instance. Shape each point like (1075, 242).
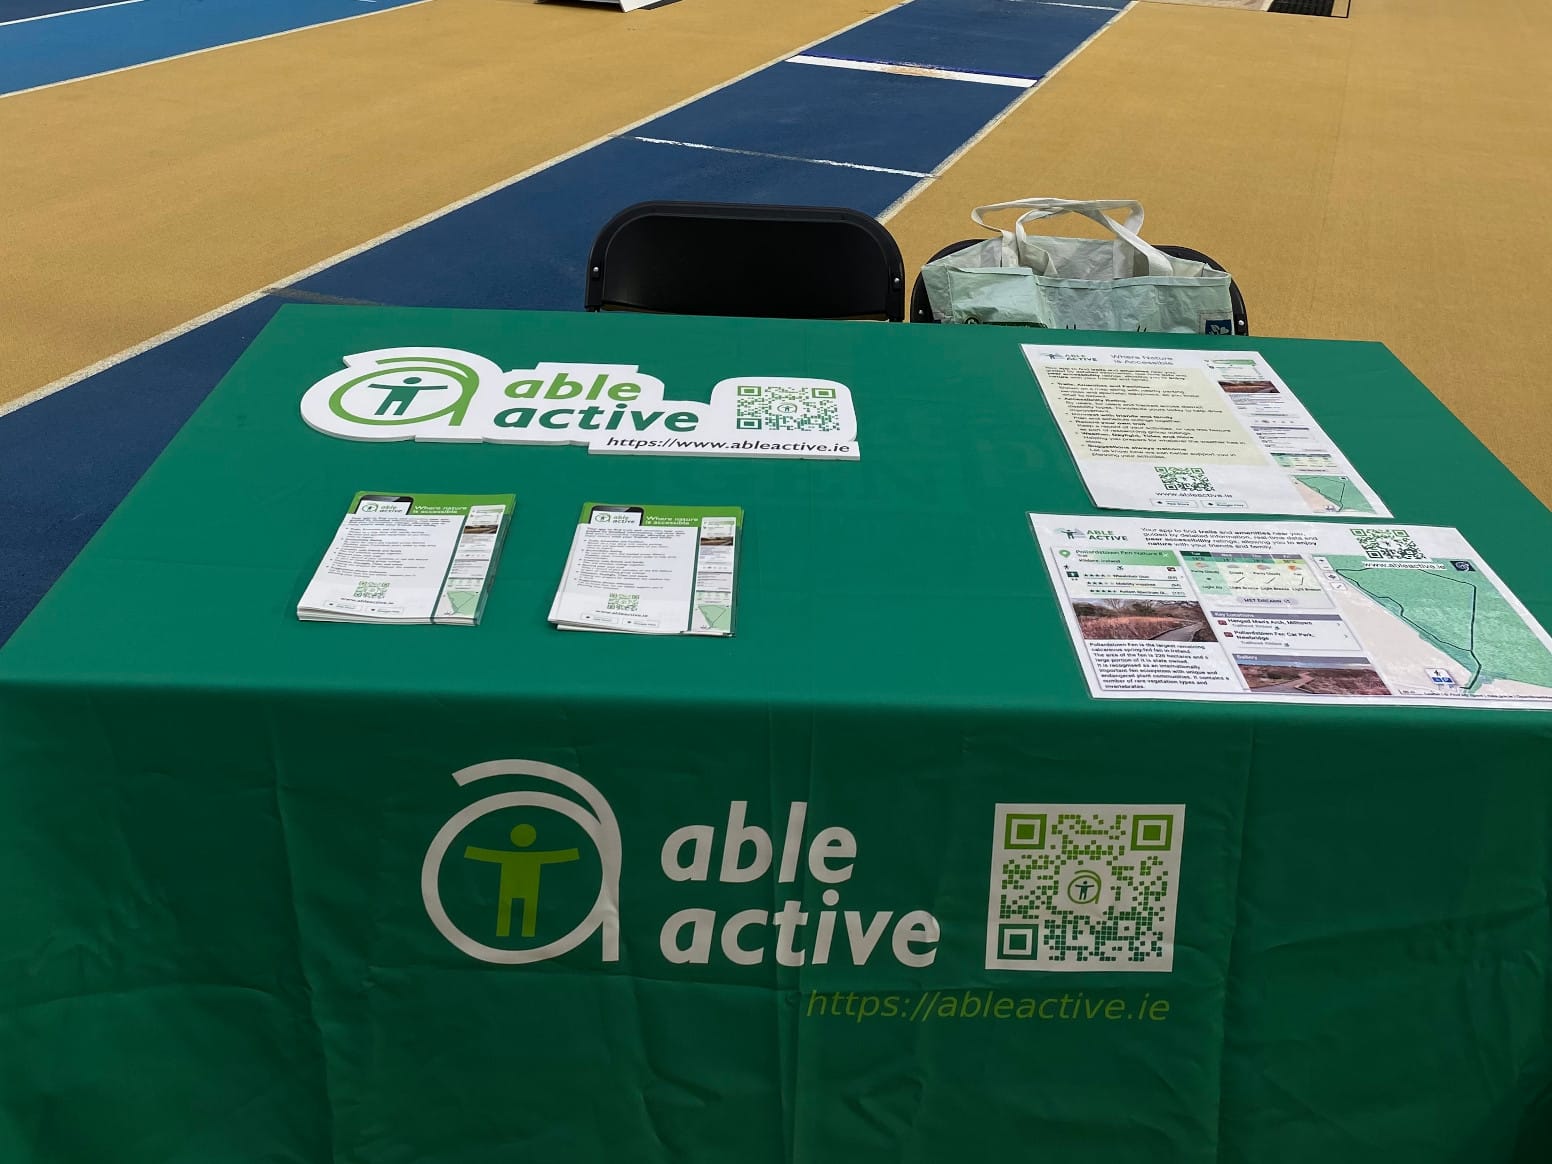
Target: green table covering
(241, 920)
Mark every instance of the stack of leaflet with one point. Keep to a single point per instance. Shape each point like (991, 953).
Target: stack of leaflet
(652, 570)
(406, 559)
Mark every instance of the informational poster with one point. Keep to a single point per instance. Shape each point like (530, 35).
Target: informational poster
(1204, 431)
(1295, 612)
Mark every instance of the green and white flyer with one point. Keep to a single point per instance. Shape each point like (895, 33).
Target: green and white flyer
(651, 569)
(1209, 431)
(410, 558)
(1291, 612)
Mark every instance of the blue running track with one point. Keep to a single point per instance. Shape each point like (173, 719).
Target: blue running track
(78, 38)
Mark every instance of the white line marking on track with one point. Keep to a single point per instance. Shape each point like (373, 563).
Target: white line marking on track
(173, 333)
(913, 71)
(942, 167)
(695, 145)
(212, 49)
(66, 12)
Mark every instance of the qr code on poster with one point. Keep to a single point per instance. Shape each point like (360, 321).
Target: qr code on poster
(1183, 479)
(625, 602)
(1387, 544)
(805, 409)
(1084, 886)
(371, 590)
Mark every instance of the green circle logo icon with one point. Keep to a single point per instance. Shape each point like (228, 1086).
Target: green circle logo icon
(407, 390)
(506, 856)
(1084, 887)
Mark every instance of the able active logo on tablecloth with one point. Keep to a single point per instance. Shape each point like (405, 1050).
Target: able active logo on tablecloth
(512, 863)
(530, 873)
(443, 394)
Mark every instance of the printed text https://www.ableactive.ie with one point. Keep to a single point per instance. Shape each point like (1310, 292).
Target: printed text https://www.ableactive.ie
(838, 448)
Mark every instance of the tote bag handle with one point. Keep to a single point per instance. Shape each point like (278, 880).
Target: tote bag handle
(1093, 209)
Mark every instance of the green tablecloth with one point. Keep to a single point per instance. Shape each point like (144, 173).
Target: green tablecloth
(215, 940)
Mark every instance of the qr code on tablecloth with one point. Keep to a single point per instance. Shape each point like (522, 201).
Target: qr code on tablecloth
(1183, 479)
(625, 602)
(1084, 886)
(371, 590)
(803, 409)
(1387, 544)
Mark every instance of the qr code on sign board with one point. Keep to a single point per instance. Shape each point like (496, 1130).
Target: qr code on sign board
(1183, 479)
(625, 602)
(765, 406)
(1084, 887)
(371, 590)
(1387, 544)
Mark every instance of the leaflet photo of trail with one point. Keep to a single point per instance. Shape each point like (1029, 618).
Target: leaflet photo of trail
(1141, 618)
(1310, 677)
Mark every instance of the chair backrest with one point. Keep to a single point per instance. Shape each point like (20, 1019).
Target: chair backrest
(921, 309)
(717, 258)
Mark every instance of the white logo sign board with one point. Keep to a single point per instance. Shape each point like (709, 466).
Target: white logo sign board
(443, 394)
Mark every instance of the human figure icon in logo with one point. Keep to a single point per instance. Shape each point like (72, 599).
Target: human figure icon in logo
(1084, 887)
(520, 873)
(401, 396)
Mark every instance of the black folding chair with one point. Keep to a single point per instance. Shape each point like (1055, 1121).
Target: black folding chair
(718, 258)
(921, 309)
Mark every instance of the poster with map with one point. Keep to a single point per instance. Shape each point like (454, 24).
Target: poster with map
(1297, 612)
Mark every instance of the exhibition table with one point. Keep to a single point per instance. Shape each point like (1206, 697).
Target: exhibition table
(769, 904)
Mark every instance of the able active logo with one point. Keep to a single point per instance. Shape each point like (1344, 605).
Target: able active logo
(530, 873)
(443, 394)
(498, 835)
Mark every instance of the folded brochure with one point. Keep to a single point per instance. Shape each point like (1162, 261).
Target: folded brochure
(405, 558)
(651, 569)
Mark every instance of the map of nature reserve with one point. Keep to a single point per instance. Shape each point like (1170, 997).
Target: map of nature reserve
(1291, 612)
